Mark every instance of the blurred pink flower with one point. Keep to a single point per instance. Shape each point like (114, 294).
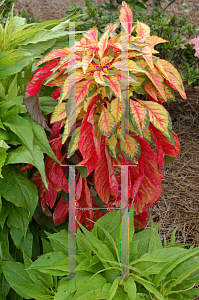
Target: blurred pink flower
(196, 47)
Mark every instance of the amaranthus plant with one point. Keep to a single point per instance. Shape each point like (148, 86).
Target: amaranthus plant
(114, 85)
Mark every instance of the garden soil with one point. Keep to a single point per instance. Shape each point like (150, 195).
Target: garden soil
(50, 9)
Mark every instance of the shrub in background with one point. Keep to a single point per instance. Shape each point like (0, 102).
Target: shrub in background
(22, 141)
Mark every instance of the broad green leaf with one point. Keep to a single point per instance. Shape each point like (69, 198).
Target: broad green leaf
(18, 278)
(19, 190)
(27, 243)
(153, 262)
(81, 245)
(173, 264)
(150, 288)
(13, 88)
(23, 155)
(59, 241)
(154, 241)
(4, 145)
(47, 105)
(99, 248)
(4, 287)
(17, 235)
(47, 247)
(23, 130)
(130, 288)
(40, 139)
(18, 218)
(54, 263)
(90, 288)
(113, 289)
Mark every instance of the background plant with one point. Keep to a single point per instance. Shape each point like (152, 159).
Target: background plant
(22, 141)
(155, 272)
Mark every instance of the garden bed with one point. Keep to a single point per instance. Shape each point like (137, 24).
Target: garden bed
(178, 205)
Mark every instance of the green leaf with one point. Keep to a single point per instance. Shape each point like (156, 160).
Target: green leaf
(173, 264)
(13, 89)
(153, 262)
(23, 155)
(172, 240)
(19, 190)
(90, 288)
(4, 244)
(59, 241)
(81, 245)
(40, 139)
(4, 145)
(4, 212)
(99, 248)
(130, 288)
(113, 289)
(3, 155)
(150, 288)
(20, 281)
(54, 263)
(47, 105)
(83, 171)
(23, 130)
(154, 241)
(27, 243)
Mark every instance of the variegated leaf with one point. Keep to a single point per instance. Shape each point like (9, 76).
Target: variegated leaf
(112, 146)
(128, 65)
(73, 145)
(160, 118)
(151, 90)
(115, 85)
(103, 43)
(157, 80)
(87, 58)
(79, 91)
(59, 113)
(154, 40)
(148, 56)
(139, 116)
(115, 110)
(106, 123)
(92, 34)
(126, 18)
(130, 148)
(143, 30)
(173, 77)
(148, 136)
(53, 54)
(98, 76)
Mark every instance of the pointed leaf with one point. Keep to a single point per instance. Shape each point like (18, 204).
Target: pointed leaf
(73, 145)
(92, 34)
(112, 146)
(140, 118)
(53, 54)
(173, 77)
(160, 118)
(130, 148)
(87, 58)
(115, 110)
(143, 30)
(103, 43)
(115, 85)
(59, 113)
(126, 17)
(106, 123)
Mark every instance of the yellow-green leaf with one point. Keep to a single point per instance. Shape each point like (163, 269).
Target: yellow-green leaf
(73, 145)
(160, 118)
(140, 118)
(112, 146)
(59, 113)
(106, 123)
(130, 148)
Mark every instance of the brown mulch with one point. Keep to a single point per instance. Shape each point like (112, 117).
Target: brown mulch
(178, 205)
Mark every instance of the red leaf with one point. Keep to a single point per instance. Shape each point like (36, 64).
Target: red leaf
(56, 93)
(61, 212)
(105, 180)
(85, 200)
(27, 167)
(141, 219)
(37, 80)
(88, 143)
(163, 146)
